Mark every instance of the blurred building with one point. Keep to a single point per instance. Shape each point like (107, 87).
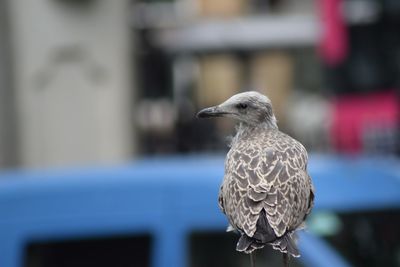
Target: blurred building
(95, 82)
(66, 84)
(309, 57)
(197, 53)
(360, 49)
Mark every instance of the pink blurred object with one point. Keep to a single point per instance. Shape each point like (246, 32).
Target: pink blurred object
(354, 114)
(334, 42)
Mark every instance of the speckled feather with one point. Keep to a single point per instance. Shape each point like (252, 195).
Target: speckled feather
(266, 175)
(266, 192)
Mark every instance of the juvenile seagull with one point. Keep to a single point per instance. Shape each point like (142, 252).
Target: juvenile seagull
(266, 192)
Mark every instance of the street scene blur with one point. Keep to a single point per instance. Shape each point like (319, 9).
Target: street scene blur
(104, 163)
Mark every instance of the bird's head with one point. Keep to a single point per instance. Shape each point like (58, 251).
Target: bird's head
(250, 108)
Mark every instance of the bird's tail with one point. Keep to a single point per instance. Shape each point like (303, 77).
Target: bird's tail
(248, 244)
(287, 244)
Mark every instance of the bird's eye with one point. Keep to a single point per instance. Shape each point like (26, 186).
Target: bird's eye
(241, 106)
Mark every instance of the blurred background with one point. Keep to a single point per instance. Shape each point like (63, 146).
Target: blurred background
(107, 83)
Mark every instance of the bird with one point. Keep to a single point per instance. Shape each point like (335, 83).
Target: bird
(266, 193)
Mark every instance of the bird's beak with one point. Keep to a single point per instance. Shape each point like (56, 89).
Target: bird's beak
(215, 111)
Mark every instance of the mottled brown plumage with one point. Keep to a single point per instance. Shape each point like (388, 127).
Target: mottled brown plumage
(266, 192)
(266, 171)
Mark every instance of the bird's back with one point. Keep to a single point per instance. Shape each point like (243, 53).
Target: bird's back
(266, 193)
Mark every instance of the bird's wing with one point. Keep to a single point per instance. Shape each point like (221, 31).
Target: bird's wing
(220, 200)
(312, 195)
(277, 183)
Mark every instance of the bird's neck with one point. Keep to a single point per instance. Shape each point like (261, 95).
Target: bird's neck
(263, 126)
(245, 130)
